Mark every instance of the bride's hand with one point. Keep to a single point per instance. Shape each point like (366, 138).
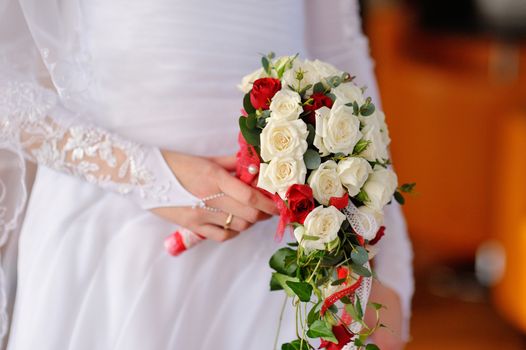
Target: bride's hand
(204, 177)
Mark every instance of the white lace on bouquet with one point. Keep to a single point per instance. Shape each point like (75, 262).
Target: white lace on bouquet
(365, 225)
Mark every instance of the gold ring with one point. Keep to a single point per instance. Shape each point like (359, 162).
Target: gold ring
(228, 221)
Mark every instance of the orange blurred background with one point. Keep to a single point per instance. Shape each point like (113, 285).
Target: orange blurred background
(454, 92)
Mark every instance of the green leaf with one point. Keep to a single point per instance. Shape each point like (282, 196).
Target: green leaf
(362, 197)
(355, 108)
(318, 88)
(312, 134)
(331, 96)
(359, 255)
(320, 329)
(250, 135)
(296, 345)
(351, 310)
(312, 159)
(314, 314)
(302, 289)
(361, 146)
(360, 270)
(247, 105)
(274, 284)
(304, 90)
(399, 198)
(310, 238)
(367, 109)
(359, 309)
(338, 282)
(251, 121)
(407, 188)
(371, 347)
(266, 64)
(376, 306)
(278, 261)
(282, 280)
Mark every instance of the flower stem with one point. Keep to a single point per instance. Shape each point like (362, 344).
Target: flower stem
(279, 322)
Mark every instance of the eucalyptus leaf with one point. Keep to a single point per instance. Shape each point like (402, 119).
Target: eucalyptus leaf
(320, 329)
(361, 270)
(399, 198)
(338, 282)
(367, 109)
(312, 159)
(266, 64)
(359, 255)
(312, 134)
(407, 188)
(318, 88)
(371, 347)
(302, 289)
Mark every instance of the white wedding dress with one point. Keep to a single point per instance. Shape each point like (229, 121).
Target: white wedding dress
(125, 78)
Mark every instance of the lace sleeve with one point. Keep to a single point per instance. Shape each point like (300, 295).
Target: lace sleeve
(335, 36)
(48, 134)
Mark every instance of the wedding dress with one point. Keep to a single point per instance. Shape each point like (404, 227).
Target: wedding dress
(91, 90)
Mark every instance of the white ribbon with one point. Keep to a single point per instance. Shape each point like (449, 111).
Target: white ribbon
(362, 223)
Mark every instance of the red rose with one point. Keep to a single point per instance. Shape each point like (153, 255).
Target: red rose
(342, 334)
(318, 100)
(262, 92)
(301, 202)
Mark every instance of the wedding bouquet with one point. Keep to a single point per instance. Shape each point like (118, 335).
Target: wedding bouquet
(313, 142)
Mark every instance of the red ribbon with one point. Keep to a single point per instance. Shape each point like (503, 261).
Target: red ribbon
(333, 298)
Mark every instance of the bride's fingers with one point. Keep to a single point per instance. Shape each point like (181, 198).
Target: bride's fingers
(237, 224)
(226, 162)
(245, 194)
(216, 233)
(230, 205)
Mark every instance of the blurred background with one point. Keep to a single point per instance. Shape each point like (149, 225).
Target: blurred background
(452, 76)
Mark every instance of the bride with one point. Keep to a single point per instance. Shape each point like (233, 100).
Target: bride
(129, 109)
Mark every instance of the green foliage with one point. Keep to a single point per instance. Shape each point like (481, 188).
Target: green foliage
(250, 135)
(282, 281)
(399, 198)
(302, 289)
(318, 88)
(296, 345)
(361, 270)
(321, 329)
(371, 347)
(247, 105)
(407, 188)
(367, 108)
(314, 313)
(279, 261)
(359, 255)
(266, 64)
(360, 146)
(312, 159)
(312, 134)
(362, 196)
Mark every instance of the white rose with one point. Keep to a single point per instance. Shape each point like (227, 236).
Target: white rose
(348, 93)
(353, 172)
(286, 105)
(378, 120)
(325, 182)
(380, 188)
(337, 130)
(248, 80)
(376, 215)
(283, 138)
(325, 69)
(308, 72)
(376, 149)
(280, 174)
(322, 223)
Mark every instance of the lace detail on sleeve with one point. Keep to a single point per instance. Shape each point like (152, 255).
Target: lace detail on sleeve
(32, 117)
